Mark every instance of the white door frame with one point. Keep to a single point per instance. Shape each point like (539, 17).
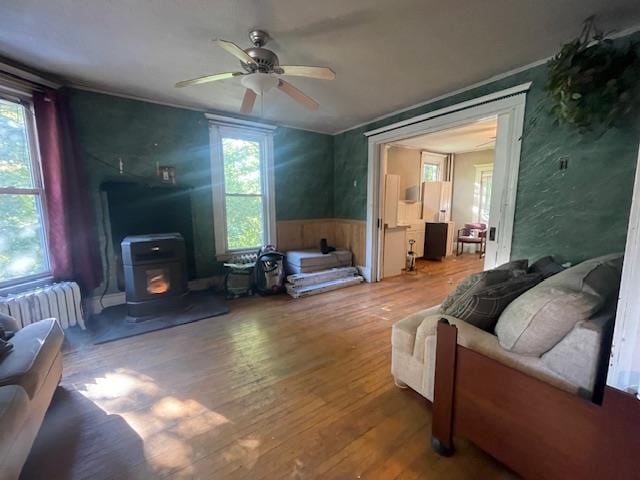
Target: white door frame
(508, 105)
(624, 363)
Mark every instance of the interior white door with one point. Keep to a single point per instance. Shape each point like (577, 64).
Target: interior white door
(495, 254)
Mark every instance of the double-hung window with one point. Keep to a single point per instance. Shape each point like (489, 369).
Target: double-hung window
(23, 242)
(242, 177)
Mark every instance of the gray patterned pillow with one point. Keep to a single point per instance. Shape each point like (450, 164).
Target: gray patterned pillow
(546, 266)
(483, 307)
(471, 284)
(516, 267)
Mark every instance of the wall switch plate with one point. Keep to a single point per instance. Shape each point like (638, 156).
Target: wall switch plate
(564, 163)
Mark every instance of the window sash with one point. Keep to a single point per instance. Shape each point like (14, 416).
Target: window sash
(37, 190)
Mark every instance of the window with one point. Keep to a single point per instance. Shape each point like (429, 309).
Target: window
(242, 187)
(430, 172)
(431, 166)
(482, 192)
(23, 244)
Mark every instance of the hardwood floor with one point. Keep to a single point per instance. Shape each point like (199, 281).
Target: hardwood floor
(277, 389)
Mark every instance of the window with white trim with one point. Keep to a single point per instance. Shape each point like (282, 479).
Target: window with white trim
(23, 243)
(242, 168)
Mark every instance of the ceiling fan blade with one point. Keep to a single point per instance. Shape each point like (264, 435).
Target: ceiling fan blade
(248, 100)
(324, 73)
(208, 78)
(236, 51)
(297, 95)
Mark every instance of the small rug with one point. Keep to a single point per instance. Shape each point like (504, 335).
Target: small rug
(112, 323)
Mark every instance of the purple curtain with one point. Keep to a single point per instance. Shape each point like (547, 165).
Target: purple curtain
(73, 243)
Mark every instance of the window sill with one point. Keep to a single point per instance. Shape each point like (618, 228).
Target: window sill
(26, 284)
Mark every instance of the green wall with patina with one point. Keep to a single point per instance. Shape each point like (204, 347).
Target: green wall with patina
(303, 174)
(109, 128)
(574, 214)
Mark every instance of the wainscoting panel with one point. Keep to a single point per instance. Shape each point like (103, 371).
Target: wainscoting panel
(341, 233)
(351, 234)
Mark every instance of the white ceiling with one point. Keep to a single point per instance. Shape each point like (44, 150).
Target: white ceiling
(480, 135)
(387, 54)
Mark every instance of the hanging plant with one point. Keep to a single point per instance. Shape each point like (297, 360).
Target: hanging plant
(593, 82)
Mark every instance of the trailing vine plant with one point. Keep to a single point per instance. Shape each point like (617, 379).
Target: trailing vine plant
(592, 82)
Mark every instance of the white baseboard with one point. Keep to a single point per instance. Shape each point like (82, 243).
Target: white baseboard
(93, 306)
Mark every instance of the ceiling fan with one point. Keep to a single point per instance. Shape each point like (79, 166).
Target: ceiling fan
(261, 72)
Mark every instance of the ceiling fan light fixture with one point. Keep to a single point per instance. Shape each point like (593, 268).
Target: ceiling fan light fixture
(260, 83)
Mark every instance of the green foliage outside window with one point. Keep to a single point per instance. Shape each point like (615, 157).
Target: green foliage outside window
(243, 192)
(22, 250)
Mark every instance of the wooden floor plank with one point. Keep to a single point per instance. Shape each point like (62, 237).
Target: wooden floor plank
(278, 388)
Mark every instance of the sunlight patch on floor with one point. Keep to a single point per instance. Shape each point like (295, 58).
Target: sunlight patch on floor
(246, 451)
(166, 423)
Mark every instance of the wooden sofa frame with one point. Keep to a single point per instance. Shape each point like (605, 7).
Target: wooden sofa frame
(534, 428)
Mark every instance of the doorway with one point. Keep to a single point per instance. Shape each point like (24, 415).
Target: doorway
(437, 198)
(496, 198)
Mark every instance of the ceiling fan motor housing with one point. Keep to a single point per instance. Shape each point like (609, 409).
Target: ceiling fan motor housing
(266, 60)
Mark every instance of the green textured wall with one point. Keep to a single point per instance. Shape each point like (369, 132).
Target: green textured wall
(143, 133)
(576, 214)
(303, 174)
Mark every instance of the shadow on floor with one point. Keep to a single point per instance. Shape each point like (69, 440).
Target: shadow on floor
(65, 435)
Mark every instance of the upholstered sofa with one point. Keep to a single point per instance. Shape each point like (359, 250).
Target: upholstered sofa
(29, 375)
(563, 345)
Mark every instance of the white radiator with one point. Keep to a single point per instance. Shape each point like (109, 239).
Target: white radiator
(59, 300)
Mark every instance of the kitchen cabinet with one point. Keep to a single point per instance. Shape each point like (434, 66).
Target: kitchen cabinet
(393, 259)
(391, 199)
(415, 232)
(436, 201)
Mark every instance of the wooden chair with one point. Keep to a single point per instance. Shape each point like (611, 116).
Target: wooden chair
(473, 233)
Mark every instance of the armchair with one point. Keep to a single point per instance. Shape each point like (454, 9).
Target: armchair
(473, 233)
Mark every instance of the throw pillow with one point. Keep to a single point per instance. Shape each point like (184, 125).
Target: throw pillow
(546, 266)
(483, 307)
(538, 319)
(516, 267)
(473, 283)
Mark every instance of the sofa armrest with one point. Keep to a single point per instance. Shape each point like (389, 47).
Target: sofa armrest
(577, 356)
(403, 332)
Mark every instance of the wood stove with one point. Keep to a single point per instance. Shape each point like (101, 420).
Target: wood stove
(155, 274)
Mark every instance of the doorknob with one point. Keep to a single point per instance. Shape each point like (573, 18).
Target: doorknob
(492, 234)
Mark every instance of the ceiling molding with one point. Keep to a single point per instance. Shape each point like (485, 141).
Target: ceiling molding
(422, 149)
(507, 92)
(185, 107)
(25, 75)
